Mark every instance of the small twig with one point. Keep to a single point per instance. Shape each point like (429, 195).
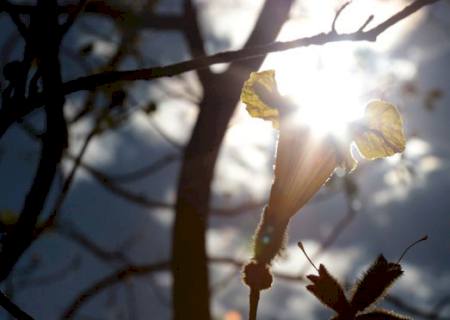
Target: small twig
(72, 17)
(51, 277)
(68, 181)
(13, 309)
(177, 145)
(75, 235)
(15, 17)
(143, 172)
(364, 25)
(336, 16)
(121, 191)
(103, 78)
(118, 276)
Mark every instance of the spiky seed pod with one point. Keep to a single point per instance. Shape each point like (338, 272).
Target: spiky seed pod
(257, 276)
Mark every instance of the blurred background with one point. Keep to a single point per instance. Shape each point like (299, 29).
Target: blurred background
(108, 254)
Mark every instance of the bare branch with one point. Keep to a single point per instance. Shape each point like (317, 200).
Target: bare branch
(110, 185)
(92, 81)
(194, 38)
(13, 309)
(52, 277)
(73, 15)
(14, 14)
(131, 271)
(366, 23)
(54, 140)
(112, 279)
(336, 17)
(145, 171)
(72, 233)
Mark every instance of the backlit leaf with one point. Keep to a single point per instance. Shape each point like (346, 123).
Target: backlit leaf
(256, 107)
(381, 134)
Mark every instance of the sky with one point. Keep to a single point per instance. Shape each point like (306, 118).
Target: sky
(398, 199)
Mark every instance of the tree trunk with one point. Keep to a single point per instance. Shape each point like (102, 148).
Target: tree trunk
(189, 260)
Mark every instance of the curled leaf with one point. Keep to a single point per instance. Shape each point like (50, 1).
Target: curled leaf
(256, 106)
(381, 134)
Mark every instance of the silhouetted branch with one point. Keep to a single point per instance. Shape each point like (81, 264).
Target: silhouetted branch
(51, 277)
(72, 16)
(110, 185)
(194, 38)
(72, 233)
(342, 224)
(115, 11)
(92, 81)
(13, 309)
(144, 172)
(131, 271)
(110, 280)
(54, 140)
(68, 181)
(9, 8)
(177, 145)
(336, 16)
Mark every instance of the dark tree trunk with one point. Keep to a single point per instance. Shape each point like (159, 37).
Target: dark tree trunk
(44, 41)
(189, 266)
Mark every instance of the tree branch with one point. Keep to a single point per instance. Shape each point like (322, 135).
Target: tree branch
(92, 81)
(131, 271)
(46, 47)
(13, 309)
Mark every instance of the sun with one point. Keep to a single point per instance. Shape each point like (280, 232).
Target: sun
(323, 87)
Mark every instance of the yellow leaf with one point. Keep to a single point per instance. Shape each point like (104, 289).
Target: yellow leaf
(381, 134)
(256, 107)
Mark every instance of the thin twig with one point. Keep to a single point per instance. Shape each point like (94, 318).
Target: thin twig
(130, 271)
(72, 17)
(103, 78)
(92, 81)
(146, 171)
(13, 309)
(336, 16)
